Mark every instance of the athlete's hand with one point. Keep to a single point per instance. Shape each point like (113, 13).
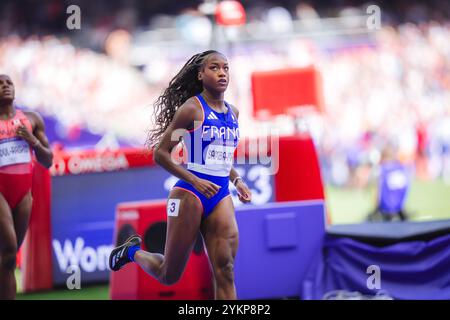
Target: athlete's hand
(244, 193)
(25, 134)
(205, 187)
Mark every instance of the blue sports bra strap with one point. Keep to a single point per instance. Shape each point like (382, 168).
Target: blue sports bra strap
(230, 110)
(202, 101)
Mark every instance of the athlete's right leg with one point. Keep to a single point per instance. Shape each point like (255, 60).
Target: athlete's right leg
(8, 252)
(182, 232)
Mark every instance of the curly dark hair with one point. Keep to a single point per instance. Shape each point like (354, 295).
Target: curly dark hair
(183, 86)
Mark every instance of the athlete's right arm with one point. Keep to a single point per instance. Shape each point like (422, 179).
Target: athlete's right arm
(184, 117)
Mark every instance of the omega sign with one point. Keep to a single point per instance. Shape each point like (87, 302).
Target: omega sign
(78, 164)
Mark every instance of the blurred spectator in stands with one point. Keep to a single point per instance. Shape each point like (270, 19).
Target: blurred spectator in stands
(308, 16)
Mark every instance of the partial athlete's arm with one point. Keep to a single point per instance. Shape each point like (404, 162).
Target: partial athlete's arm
(183, 118)
(244, 193)
(37, 139)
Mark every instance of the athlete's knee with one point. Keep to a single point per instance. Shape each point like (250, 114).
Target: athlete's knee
(8, 257)
(224, 268)
(223, 262)
(225, 273)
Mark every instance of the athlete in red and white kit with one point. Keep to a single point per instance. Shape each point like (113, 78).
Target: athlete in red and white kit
(22, 136)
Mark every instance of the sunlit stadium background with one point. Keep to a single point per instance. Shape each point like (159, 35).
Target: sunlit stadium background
(385, 86)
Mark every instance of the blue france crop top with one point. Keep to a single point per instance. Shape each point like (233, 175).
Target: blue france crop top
(211, 145)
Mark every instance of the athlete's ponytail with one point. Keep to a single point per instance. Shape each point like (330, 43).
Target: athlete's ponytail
(183, 86)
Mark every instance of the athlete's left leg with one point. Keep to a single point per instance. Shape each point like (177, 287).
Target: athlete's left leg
(21, 216)
(221, 237)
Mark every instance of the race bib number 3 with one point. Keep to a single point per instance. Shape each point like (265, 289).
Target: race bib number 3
(14, 152)
(173, 206)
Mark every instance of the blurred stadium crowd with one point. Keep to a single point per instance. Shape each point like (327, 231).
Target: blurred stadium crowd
(387, 87)
(44, 17)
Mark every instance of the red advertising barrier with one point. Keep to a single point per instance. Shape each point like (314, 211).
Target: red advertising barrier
(298, 177)
(148, 219)
(90, 161)
(275, 92)
(36, 256)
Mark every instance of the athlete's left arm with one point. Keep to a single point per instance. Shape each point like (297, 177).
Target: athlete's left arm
(244, 193)
(38, 139)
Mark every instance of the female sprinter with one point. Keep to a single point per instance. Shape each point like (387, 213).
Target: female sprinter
(21, 133)
(193, 107)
